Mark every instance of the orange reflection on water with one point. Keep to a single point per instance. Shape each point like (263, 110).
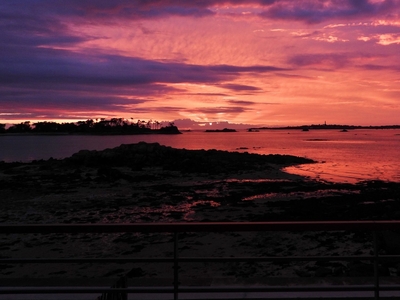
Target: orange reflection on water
(346, 173)
(272, 197)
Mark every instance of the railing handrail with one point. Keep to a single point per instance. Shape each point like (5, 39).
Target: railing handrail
(176, 228)
(204, 227)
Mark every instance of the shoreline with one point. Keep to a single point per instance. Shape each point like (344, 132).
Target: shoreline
(225, 130)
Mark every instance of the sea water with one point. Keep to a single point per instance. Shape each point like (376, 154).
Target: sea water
(356, 155)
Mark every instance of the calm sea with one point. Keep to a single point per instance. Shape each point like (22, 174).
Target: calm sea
(342, 156)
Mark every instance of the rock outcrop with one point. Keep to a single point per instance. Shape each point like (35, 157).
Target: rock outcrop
(143, 154)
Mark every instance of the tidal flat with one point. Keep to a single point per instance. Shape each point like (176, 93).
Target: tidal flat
(151, 183)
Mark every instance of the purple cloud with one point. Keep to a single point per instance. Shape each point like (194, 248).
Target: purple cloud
(241, 102)
(247, 69)
(329, 60)
(312, 11)
(46, 66)
(220, 109)
(41, 78)
(38, 101)
(240, 87)
(374, 67)
(332, 61)
(309, 11)
(207, 94)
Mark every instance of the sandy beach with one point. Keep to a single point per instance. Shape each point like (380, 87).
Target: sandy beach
(153, 183)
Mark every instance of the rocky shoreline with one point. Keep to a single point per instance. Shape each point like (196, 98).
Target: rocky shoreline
(152, 183)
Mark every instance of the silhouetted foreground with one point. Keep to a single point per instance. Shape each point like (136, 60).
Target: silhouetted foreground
(152, 183)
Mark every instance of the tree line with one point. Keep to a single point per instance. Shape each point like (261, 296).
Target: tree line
(94, 126)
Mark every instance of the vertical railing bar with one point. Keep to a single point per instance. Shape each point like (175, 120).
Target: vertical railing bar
(176, 278)
(376, 266)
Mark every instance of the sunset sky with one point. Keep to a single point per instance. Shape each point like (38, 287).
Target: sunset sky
(261, 62)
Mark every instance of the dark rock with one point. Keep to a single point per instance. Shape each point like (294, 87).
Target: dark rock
(211, 161)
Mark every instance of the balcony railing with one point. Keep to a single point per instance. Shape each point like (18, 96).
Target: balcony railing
(121, 291)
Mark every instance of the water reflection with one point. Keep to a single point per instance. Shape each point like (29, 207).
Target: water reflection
(236, 180)
(273, 197)
(347, 172)
(357, 155)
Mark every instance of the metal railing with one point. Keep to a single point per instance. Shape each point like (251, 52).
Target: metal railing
(176, 228)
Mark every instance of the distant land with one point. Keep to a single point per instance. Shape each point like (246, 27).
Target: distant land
(221, 130)
(116, 126)
(326, 126)
(188, 124)
(131, 126)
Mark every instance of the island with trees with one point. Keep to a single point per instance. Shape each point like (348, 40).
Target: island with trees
(90, 126)
(221, 130)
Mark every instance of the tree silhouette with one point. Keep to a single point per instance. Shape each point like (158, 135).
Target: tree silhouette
(93, 126)
(45, 127)
(20, 128)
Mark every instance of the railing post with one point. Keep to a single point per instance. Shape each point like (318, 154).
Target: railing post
(176, 267)
(376, 266)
